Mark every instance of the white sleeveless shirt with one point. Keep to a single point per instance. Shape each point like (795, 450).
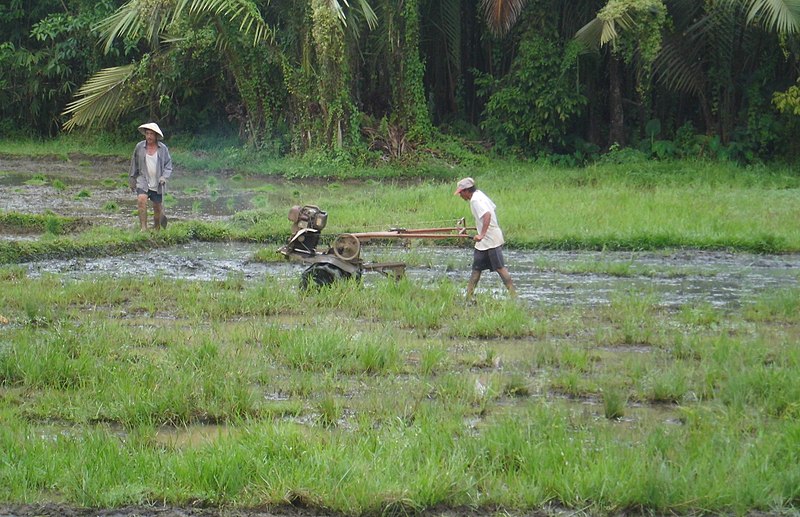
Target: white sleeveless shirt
(152, 171)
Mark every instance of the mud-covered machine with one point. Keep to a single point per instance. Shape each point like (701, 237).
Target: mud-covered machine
(342, 259)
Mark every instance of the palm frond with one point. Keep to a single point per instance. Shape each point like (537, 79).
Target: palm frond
(338, 10)
(575, 15)
(603, 29)
(355, 14)
(501, 15)
(591, 34)
(450, 23)
(369, 15)
(243, 12)
(364, 9)
(678, 70)
(137, 18)
(782, 16)
(99, 100)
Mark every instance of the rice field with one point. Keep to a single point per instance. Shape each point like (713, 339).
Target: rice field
(396, 397)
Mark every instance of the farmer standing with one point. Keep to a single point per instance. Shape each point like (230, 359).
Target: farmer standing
(151, 165)
(489, 240)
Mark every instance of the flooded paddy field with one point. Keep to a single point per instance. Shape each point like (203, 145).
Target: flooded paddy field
(203, 366)
(671, 278)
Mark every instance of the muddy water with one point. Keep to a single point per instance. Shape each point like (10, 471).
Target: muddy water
(671, 278)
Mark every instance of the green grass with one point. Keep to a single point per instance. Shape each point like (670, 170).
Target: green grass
(15, 222)
(108, 241)
(533, 215)
(66, 146)
(343, 400)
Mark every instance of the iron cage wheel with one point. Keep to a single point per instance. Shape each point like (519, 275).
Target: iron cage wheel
(346, 246)
(322, 274)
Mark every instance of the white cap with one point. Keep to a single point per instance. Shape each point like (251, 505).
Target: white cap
(464, 184)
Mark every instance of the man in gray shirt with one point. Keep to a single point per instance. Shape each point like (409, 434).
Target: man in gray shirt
(151, 165)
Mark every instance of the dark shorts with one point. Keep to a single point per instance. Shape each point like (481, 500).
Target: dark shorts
(491, 259)
(152, 195)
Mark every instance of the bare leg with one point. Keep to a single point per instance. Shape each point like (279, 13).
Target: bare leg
(473, 281)
(505, 276)
(141, 204)
(157, 207)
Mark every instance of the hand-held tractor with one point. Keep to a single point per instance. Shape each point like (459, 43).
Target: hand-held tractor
(343, 258)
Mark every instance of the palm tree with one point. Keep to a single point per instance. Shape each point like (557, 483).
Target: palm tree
(643, 23)
(781, 16)
(702, 44)
(711, 50)
(111, 92)
(682, 62)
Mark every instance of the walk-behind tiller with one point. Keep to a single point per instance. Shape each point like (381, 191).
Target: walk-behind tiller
(343, 258)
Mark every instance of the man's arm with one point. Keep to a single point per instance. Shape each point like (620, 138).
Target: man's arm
(134, 171)
(167, 169)
(486, 219)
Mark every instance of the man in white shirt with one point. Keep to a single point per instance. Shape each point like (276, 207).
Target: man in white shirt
(489, 240)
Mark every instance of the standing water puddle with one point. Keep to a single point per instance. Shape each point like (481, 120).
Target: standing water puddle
(566, 278)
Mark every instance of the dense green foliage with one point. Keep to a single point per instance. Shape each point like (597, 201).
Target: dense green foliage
(46, 52)
(529, 109)
(360, 81)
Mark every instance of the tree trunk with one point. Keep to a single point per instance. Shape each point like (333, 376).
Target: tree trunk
(616, 134)
(413, 108)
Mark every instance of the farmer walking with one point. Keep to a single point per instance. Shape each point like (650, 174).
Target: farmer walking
(489, 240)
(151, 165)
